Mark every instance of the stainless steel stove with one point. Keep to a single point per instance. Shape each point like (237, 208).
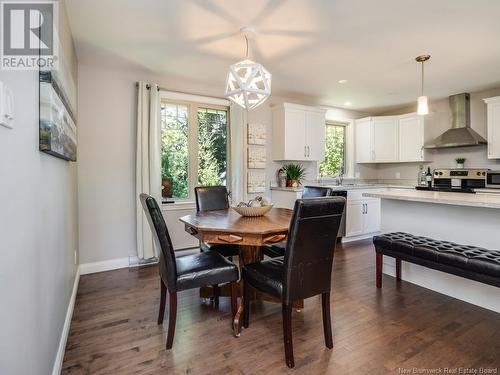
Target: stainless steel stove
(457, 180)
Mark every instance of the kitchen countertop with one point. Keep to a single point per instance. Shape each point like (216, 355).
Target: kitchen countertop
(457, 199)
(347, 187)
(487, 191)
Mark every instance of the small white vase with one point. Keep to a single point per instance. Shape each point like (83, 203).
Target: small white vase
(460, 166)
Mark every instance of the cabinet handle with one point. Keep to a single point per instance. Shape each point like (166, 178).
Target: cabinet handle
(308, 151)
(305, 154)
(366, 208)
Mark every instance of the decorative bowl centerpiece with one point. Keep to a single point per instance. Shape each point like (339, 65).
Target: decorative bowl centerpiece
(255, 207)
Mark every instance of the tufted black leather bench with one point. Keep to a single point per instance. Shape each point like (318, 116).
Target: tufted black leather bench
(471, 262)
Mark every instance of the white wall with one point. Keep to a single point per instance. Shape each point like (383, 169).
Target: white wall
(38, 233)
(106, 168)
(435, 124)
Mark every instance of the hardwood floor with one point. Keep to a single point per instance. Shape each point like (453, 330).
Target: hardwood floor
(114, 328)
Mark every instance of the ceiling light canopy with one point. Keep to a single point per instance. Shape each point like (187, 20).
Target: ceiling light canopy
(341, 81)
(422, 102)
(248, 83)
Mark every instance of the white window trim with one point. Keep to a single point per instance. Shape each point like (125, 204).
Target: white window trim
(349, 143)
(179, 205)
(189, 203)
(180, 96)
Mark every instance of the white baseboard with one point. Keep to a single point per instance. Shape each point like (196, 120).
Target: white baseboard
(56, 369)
(107, 265)
(359, 238)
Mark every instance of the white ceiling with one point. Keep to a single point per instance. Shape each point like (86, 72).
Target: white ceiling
(308, 45)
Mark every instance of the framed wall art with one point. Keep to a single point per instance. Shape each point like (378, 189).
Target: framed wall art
(256, 181)
(256, 134)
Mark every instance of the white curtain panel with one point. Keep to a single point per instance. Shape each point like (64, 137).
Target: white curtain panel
(148, 165)
(238, 130)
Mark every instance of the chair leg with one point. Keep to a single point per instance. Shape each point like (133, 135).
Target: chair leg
(163, 300)
(234, 299)
(246, 304)
(172, 315)
(379, 270)
(398, 269)
(327, 323)
(216, 291)
(287, 334)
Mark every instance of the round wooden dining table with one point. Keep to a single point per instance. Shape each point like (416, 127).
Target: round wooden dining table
(249, 233)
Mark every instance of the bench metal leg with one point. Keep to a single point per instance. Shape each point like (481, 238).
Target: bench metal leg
(398, 269)
(379, 270)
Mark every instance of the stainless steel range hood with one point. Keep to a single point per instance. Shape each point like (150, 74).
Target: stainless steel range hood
(460, 134)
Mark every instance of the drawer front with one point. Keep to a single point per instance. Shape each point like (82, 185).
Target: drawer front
(356, 195)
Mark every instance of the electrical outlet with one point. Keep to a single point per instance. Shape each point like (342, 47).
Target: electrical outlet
(398, 175)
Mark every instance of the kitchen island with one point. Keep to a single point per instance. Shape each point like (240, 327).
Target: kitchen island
(468, 219)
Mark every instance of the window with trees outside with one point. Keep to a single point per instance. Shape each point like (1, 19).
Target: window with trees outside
(194, 144)
(335, 150)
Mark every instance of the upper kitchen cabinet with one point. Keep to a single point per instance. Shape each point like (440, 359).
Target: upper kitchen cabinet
(385, 139)
(493, 127)
(298, 132)
(364, 138)
(411, 138)
(390, 139)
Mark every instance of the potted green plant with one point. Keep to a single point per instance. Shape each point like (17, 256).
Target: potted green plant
(460, 162)
(295, 173)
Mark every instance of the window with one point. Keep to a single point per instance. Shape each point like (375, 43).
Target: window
(212, 147)
(175, 149)
(194, 144)
(335, 150)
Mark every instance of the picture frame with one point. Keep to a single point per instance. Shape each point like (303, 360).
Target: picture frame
(256, 158)
(256, 134)
(256, 181)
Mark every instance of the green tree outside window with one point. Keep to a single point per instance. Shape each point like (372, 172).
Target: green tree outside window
(176, 155)
(334, 150)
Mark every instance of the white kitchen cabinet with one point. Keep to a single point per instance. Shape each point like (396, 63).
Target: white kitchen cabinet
(364, 145)
(298, 133)
(372, 216)
(493, 127)
(411, 138)
(362, 214)
(390, 139)
(355, 219)
(315, 135)
(285, 198)
(385, 139)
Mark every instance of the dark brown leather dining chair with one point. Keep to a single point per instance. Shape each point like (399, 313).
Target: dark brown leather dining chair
(186, 272)
(306, 268)
(278, 249)
(211, 198)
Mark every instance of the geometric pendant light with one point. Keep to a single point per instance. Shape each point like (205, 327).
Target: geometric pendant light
(422, 102)
(248, 83)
